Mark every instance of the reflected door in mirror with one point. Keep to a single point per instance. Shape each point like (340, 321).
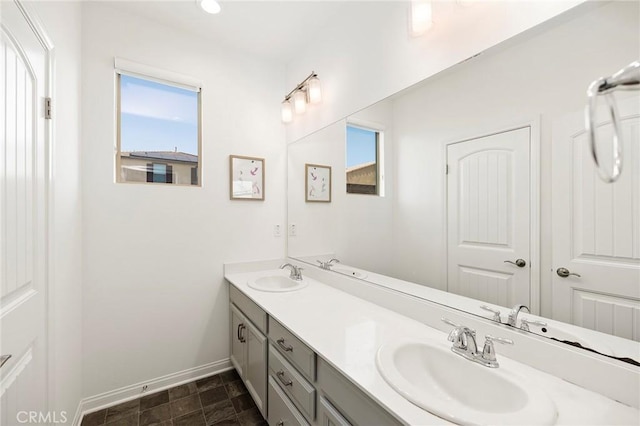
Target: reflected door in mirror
(596, 227)
(488, 218)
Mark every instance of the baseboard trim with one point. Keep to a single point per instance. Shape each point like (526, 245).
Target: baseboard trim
(127, 393)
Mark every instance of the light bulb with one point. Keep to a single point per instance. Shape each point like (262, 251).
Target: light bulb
(421, 17)
(300, 101)
(210, 6)
(287, 111)
(314, 90)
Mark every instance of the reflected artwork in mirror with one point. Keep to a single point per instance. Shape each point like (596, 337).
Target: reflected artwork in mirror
(487, 196)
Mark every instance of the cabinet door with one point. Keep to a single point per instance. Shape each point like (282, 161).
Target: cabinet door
(330, 416)
(255, 373)
(238, 337)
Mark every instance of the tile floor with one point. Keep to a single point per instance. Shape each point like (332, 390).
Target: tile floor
(220, 400)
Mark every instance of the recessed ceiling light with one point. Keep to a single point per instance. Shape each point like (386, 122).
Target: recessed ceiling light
(210, 6)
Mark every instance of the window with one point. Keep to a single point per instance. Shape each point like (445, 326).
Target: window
(158, 131)
(363, 165)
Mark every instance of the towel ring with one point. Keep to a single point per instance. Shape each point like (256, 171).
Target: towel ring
(592, 103)
(628, 78)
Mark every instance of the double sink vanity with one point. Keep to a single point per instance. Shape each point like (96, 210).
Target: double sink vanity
(311, 352)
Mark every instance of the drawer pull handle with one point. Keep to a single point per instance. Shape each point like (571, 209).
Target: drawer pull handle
(280, 375)
(284, 347)
(241, 327)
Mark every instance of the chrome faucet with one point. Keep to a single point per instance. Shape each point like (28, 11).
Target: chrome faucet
(296, 271)
(327, 265)
(464, 344)
(513, 315)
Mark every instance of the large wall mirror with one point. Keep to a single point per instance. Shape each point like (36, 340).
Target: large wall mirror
(479, 182)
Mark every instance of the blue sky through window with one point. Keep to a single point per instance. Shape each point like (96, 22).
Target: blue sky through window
(361, 146)
(157, 117)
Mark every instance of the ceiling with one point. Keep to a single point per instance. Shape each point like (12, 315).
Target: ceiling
(272, 30)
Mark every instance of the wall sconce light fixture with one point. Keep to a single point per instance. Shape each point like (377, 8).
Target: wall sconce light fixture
(308, 91)
(421, 17)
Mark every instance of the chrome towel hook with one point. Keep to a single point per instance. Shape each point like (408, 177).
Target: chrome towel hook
(628, 78)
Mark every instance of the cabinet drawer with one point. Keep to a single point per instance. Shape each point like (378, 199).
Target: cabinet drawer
(281, 411)
(293, 349)
(292, 383)
(252, 311)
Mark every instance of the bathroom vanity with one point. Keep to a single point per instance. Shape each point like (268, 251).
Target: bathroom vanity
(300, 387)
(315, 355)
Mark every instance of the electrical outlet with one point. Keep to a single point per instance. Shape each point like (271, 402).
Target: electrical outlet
(293, 230)
(277, 231)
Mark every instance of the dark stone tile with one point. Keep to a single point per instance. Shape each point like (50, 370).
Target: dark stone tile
(251, 418)
(153, 400)
(186, 405)
(182, 391)
(236, 388)
(243, 403)
(231, 421)
(94, 419)
(213, 396)
(229, 376)
(193, 419)
(209, 383)
(120, 411)
(155, 415)
(220, 411)
(130, 420)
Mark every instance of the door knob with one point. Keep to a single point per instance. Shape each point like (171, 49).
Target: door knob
(520, 263)
(564, 273)
(3, 359)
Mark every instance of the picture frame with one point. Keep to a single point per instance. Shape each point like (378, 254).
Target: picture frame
(246, 178)
(317, 183)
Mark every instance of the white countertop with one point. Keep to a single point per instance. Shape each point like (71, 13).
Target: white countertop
(347, 331)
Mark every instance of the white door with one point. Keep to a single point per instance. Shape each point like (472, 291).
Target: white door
(596, 228)
(23, 214)
(488, 190)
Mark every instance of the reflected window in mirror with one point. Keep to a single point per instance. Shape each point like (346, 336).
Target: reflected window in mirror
(363, 160)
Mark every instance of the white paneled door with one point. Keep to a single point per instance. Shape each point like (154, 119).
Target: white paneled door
(596, 227)
(488, 196)
(23, 221)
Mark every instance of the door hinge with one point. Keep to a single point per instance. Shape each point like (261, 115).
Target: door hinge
(47, 108)
(446, 169)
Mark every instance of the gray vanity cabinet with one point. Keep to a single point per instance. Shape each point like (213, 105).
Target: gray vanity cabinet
(249, 356)
(289, 382)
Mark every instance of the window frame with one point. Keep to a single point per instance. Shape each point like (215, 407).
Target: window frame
(161, 79)
(379, 130)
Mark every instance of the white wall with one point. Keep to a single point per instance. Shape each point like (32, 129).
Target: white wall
(62, 22)
(154, 300)
(366, 53)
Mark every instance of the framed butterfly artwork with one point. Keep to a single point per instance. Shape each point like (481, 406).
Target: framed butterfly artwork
(317, 183)
(246, 181)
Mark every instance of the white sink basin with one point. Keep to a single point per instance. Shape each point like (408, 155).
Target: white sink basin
(461, 391)
(276, 283)
(349, 271)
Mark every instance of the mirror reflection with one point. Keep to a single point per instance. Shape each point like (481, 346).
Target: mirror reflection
(479, 182)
